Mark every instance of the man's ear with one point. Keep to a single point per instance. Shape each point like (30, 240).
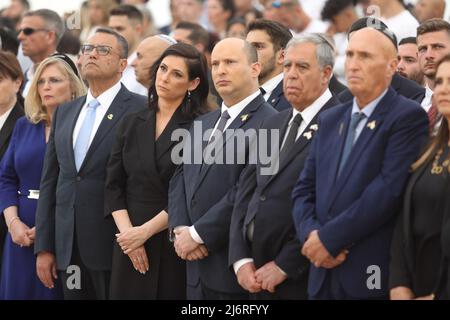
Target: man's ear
(280, 56)
(256, 69)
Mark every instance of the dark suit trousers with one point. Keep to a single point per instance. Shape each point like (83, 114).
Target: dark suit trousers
(332, 290)
(200, 292)
(94, 283)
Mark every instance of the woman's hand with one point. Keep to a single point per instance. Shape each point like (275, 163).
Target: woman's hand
(132, 238)
(139, 259)
(19, 233)
(401, 293)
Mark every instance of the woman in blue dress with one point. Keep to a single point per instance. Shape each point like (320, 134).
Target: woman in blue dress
(55, 82)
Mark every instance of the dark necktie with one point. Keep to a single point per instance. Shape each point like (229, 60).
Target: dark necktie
(291, 137)
(350, 140)
(218, 132)
(263, 92)
(432, 115)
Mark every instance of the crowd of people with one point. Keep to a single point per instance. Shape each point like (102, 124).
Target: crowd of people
(248, 150)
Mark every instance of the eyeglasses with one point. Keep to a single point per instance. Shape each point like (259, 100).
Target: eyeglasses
(102, 50)
(30, 31)
(51, 81)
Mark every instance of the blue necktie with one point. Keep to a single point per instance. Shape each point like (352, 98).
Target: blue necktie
(350, 140)
(84, 136)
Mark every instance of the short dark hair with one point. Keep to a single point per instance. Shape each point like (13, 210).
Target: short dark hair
(433, 25)
(412, 40)
(333, 7)
(279, 35)
(130, 11)
(197, 68)
(123, 44)
(235, 20)
(9, 66)
(52, 21)
(198, 33)
(228, 5)
(9, 41)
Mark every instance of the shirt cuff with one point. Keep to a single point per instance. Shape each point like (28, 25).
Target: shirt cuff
(282, 271)
(195, 235)
(238, 264)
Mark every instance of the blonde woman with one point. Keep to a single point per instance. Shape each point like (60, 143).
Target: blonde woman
(56, 81)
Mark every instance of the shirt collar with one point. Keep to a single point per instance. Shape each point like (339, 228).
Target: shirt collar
(107, 97)
(310, 112)
(271, 84)
(370, 107)
(236, 109)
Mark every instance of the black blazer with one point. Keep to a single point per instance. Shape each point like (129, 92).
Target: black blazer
(277, 98)
(203, 196)
(336, 87)
(403, 251)
(5, 136)
(72, 202)
(407, 88)
(138, 176)
(8, 126)
(267, 200)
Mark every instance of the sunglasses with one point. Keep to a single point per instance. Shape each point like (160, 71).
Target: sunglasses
(30, 31)
(102, 50)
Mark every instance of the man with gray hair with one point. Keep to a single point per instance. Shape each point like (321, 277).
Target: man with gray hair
(264, 251)
(40, 32)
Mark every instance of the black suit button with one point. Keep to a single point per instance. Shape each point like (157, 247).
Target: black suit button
(78, 178)
(262, 198)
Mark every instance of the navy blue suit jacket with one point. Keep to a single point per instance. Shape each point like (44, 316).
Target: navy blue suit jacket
(277, 98)
(70, 202)
(356, 211)
(203, 196)
(266, 199)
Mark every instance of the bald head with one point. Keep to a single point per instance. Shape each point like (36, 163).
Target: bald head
(148, 51)
(235, 69)
(371, 61)
(429, 9)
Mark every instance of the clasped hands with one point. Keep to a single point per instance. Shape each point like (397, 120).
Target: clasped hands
(318, 255)
(186, 247)
(131, 241)
(265, 278)
(21, 234)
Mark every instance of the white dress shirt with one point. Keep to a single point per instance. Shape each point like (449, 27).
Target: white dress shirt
(233, 111)
(105, 100)
(129, 78)
(29, 75)
(307, 115)
(271, 84)
(426, 102)
(5, 116)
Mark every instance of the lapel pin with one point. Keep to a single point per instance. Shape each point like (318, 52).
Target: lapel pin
(273, 100)
(314, 127)
(110, 116)
(372, 125)
(308, 135)
(244, 117)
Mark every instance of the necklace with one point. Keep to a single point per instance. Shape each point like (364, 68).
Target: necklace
(438, 168)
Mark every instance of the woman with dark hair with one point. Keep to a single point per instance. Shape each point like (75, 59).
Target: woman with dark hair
(220, 12)
(417, 254)
(145, 265)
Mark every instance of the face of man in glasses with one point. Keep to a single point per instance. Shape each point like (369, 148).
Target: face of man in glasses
(39, 44)
(107, 67)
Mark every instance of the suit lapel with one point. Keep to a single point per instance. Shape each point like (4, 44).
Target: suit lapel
(9, 124)
(238, 122)
(276, 94)
(112, 116)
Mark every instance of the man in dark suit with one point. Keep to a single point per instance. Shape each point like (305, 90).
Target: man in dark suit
(351, 187)
(70, 222)
(401, 85)
(264, 251)
(270, 39)
(201, 194)
(6, 129)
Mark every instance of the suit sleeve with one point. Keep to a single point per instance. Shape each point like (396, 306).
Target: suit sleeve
(177, 209)
(9, 181)
(399, 274)
(238, 248)
(45, 212)
(379, 201)
(116, 178)
(304, 195)
(290, 259)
